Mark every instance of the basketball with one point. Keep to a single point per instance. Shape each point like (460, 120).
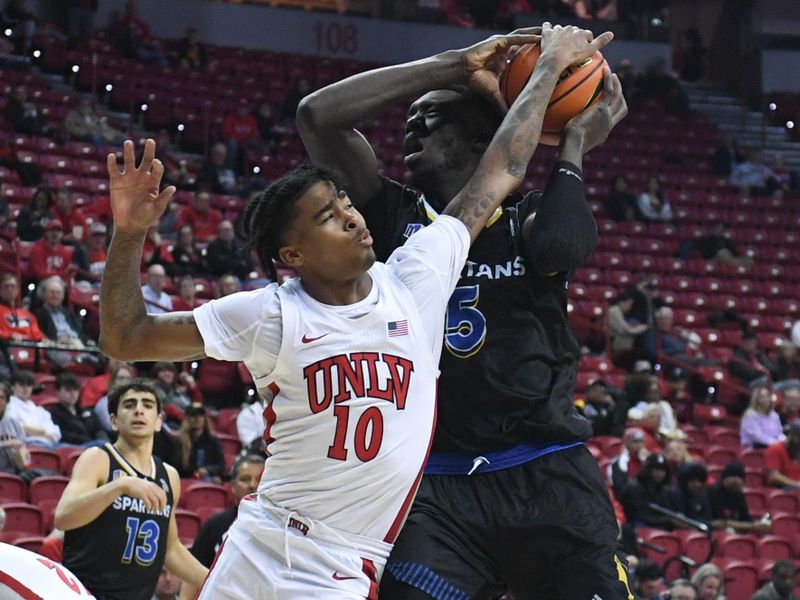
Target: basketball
(578, 87)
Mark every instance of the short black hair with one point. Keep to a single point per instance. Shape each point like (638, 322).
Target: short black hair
(22, 377)
(252, 459)
(137, 385)
(67, 380)
(269, 215)
(648, 570)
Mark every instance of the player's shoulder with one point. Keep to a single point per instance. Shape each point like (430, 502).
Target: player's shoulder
(92, 461)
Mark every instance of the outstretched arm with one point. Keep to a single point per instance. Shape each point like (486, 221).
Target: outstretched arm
(562, 233)
(503, 165)
(127, 332)
(328, 117)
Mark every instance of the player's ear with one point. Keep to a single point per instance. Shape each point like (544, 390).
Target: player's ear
(291, 256)
(159, 421)
(114, 422)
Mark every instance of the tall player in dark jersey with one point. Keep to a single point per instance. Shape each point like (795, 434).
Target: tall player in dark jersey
(511, 498)
(118, 509)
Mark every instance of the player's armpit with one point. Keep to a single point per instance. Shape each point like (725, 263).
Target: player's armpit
(163, 337)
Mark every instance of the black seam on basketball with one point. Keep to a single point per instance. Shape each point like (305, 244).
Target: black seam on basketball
(599, 65)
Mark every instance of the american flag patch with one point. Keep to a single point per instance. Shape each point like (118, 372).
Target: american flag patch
(397, 328)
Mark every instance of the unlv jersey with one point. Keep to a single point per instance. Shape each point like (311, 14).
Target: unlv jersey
(353, 402)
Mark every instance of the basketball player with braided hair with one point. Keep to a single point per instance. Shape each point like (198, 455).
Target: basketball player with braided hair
(511, 497)
(346, 353)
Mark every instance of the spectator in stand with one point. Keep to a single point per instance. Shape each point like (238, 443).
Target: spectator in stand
(690, 56)
(201, 216)
(80, 23)
(645, 300)
(788, 181)
(675, 343)
(753, 176)
(668, 427)
(227, 255)
(166, 443)
(682, 589)
(748, 364)
(271, 133)
(648, 486)
(121, 373)
(155, 251)
(786, 369)
(33, 218)
(216, 174)
(605, 408)
(620, 203)
(84, 124)
(652, 204)
(710, 583)
(676, 453)
(22, 22)
(292, 100)
(36, 421)
(239, 131)
(245, 476)
(14, 456)
(688, 496)
(186, 299)
(186, 256)
(16, 322)
(24, 116)
(49, 256)
(168, 586)
(177, 172)
(629, 79)
(726, 156)
(782, 585)
(789, 408)
(623, 335)
(190, 52)
(796, 333)
(155, 298)
(648, 580)
(97, 386)
(729, 504)
(79, 426)
(228, 284)
(201, 450)
(717, 246)
(761, 425)
(74, 219)
(61, 325)
(90, 258)
(133, 37)
(630, 460)
(782, 459)
(29, 172)
(175, 389)
(250, 421)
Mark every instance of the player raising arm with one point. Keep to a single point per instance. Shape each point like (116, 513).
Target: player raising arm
(346, 354)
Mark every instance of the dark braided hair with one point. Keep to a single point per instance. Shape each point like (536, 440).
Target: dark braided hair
(269, 215)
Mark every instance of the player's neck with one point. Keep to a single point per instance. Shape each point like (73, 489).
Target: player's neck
(138, 452)
(445, 188)
(337, 293)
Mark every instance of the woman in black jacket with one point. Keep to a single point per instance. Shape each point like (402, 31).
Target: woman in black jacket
(202, 451)
(649, 485)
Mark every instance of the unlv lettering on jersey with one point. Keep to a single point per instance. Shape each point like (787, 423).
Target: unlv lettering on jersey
(358, 375)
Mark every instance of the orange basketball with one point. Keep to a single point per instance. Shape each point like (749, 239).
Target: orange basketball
(578, 87)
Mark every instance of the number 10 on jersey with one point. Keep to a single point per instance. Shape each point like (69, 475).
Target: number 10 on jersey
(368, 433)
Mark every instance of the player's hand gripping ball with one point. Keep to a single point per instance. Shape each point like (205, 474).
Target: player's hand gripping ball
(578, 87)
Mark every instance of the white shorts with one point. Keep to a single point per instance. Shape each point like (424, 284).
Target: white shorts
(25, 575)
(275, 554)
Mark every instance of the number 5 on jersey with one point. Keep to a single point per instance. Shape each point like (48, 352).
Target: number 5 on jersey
(465, 329)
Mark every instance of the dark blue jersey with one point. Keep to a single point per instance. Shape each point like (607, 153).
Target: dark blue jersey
(510, 359)
(119, 555)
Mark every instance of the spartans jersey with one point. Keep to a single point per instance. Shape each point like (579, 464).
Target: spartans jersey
(510, 359)
(353, 394)
(119, 555)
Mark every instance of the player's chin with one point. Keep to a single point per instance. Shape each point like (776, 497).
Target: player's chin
(369, 258)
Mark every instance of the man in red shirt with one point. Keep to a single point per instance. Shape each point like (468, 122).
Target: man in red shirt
(782, 459)
(16, 323)
(90, 259)
(73, 219)
(203, 219)
(49, 256)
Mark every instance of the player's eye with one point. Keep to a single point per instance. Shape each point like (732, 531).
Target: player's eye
(341, 194)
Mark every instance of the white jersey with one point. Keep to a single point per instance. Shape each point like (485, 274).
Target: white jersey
(353, 402)
(24, 574)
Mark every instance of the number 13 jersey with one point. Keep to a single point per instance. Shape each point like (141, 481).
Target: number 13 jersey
(353, 388)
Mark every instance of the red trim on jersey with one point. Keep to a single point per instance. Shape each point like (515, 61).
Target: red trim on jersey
(368, 568)
(269, 415)
(19, 587)
(406, 506)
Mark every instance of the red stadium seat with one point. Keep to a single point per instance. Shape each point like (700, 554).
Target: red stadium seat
(717, 455)
(204, 494)
(727, 438)
(24, 517)
(786, 525)
(188, 523)
(774, 547)
(752, 458)
(12, 488)
(45, 459)
(780, 501)
(742, 547)
(741, 578)
(46, 488)
(31, 542)
(226, 421)
(756, 500)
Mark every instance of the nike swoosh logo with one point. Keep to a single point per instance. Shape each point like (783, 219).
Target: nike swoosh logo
(307, 340)
(338, 577)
